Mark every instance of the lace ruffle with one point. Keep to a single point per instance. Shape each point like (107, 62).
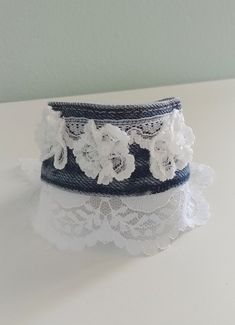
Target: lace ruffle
(104, 153)
(142, 224)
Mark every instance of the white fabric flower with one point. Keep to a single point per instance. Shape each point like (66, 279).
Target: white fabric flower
(104, 153)
(51, 136)
(171, 149)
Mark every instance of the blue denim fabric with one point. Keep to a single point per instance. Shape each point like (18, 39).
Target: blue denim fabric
(116, 112)
(141, 181)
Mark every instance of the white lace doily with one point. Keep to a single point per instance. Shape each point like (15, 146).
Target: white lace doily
(142, 224)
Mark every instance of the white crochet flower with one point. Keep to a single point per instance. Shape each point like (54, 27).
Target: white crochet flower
(171, 149)
(51, 136)
(104, 153)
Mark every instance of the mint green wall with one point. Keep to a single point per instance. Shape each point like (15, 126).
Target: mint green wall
(54, 48)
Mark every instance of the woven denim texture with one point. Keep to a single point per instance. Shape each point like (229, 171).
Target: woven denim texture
(141, 181)
(116, 112)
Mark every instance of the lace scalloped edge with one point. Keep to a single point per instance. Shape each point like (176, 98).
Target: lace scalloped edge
(106, 235)
(201, 177)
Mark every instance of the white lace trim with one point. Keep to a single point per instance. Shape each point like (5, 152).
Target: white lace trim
(102, 149)
(171, 149)
(141, 224)
(104, 153)
(51, 137)
(139, 130)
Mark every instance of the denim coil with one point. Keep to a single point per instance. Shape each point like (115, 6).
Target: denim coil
(141, 181)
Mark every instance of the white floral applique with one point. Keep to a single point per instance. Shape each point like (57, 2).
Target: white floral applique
(51, 135)
(171, 149)
(104, 153)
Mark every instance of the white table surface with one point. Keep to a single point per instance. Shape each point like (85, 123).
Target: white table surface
(193, 282)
